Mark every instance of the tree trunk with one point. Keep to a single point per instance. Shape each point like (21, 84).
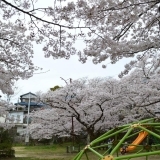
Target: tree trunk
(88, 139)
(90, 136)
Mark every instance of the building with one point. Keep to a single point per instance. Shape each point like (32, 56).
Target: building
(28, 103)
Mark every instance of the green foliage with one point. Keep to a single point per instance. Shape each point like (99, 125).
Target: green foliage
(43, 152)
(42, 147)
(6, 140)
(30, 158)
(55, 88)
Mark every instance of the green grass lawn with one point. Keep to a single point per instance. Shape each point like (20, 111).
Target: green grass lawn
(47, 152)
(55, 152)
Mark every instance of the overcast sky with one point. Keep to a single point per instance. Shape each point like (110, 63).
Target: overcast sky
(54, 69)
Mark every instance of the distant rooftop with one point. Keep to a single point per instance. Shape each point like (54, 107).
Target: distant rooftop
(24, 100)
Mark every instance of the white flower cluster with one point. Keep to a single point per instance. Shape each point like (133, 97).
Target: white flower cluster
(95, 105)
(110, 29)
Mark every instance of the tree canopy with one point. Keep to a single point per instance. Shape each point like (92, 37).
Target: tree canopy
(55, 88)
(99, 104)
(110, 30)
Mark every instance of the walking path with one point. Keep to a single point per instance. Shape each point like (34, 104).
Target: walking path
(21, 152)
(19, 149)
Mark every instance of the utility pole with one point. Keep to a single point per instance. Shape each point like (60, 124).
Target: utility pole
(72, 130)
(27, 131)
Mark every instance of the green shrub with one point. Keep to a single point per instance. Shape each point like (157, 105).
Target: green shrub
(6, 140)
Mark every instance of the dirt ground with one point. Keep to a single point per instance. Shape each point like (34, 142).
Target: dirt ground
(19, 152)
(22, 152)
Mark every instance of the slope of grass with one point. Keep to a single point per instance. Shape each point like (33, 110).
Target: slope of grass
(55, 152)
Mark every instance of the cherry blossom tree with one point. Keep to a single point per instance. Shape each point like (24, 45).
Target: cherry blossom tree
(96, 105)
(99, 104)
(16, 53)
(143, 84)
(48, 123)
(110, 29)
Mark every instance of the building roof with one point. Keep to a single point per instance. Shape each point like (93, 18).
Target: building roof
(29, 93)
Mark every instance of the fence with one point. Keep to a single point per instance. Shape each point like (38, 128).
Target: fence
(73, 149)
